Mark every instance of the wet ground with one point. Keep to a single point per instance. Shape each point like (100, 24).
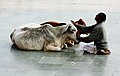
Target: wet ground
(69, 62)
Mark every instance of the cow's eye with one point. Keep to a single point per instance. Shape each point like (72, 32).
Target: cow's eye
(73, 31)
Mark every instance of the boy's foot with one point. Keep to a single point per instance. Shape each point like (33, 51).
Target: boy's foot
(103, 52)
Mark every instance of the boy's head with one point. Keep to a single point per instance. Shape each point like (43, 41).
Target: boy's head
(101, 17)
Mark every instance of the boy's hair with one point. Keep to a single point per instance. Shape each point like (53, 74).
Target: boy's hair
(102, 16)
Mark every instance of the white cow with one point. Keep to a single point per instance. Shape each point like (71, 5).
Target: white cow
(42, 37)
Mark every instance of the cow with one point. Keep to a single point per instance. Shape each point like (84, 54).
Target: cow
(42, 37)
(69, 42)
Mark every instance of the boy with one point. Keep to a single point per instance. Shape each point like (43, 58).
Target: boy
(97, 35)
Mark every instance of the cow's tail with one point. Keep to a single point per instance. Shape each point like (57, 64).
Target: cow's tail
(11, 36)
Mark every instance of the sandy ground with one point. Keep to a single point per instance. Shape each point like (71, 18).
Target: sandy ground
(14, 62)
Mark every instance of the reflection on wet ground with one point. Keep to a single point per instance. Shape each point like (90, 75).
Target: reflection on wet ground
(69, 62)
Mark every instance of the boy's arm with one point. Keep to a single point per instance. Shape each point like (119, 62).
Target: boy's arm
(92, 37)
(85, 29)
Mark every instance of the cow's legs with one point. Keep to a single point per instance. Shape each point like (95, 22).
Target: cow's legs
(52, 48)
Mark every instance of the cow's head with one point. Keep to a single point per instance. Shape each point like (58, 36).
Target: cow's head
(70, 31)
